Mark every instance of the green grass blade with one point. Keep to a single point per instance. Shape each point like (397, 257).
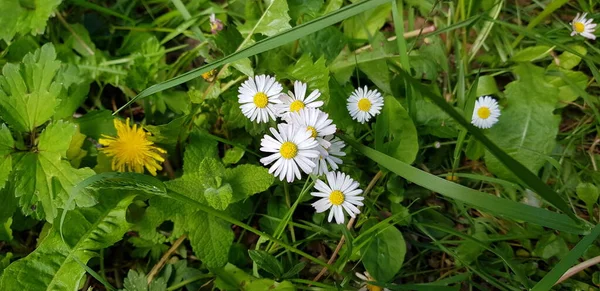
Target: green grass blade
(479, 200)
(526, 176)
(263, 45)
(399, 28)
(559, 269)
(550, 8)
(101, 9)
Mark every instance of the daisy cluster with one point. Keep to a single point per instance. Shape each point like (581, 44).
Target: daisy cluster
(304, 141)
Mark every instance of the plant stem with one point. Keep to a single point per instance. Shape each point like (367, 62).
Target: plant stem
(578, 268)
(188, 281)
(164, 258)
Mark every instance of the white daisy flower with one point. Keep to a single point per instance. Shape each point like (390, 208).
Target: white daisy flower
(292, 147)
(583, 26)
(486, 112)
(366, 286)
(315, 121)
(364, 104)
(341, 193)
(258, 97)
(329, 155)
(294, 102)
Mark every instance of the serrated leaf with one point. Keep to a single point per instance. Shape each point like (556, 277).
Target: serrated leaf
(25, 17)
(247, 180)
(75, 91)
(136, 281)
(275, 19)
(7, 145)
(28, 94)
(384, 254)
(364, 25)
(199, 148)
(210, 173)
(210, 238)
(53, 265)
(527, 127)
(219, 198)
(267, 262)
(43, 180)
(316, 75)
(327, 42)
(233, 155)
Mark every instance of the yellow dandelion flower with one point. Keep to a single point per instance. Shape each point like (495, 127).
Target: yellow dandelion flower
(131, 150)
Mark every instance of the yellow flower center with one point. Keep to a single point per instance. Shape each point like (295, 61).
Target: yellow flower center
(313, 130)
(374, 288)
(483, 112)
(288, 150)
(364, 104)
(261, 100)
(579, 27)
(296, 106)
(336, 197)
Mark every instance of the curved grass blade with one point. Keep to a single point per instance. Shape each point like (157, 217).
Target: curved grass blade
(263, 45)
(559, 269)
(550, 8)
(526, 176)
(479, 200)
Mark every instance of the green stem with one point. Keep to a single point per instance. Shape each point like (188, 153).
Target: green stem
(186, 16)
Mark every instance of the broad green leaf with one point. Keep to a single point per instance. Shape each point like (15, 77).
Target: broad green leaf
(364, 25)
(527, 127)
(327, 42)
(384, 254)
(25, 17)
(568, 60)
(551, 245)
(377, 70)
(275, 19)
(56, 264)
(588, 193)
(267, 262)
(486, 85)
(210, 172)
(219, 198)
(247, 180)
(28, 94)
(43, 179)
(7, 145)
(75, 91)
(402, 143)
(316, 75)
(233, 155)
(302, 9)
(210, 237)
(469, 250)
(483, 201)
(532, 53)
(199, 148)
(566, 93)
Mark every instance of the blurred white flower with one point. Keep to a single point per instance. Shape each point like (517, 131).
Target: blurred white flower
(583, 26)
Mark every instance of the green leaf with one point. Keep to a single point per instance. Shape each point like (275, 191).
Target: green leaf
(486, 85)
(316, 75)
(532, 53)
(247, 180)
(550, 245)
(56, 264)
(527, 127)
(482, 201)
(210, 172)
(199, 148)
(74, 92)
(568, 60)
(384, 254)
(566, 93)
(267, 262)
(43, 180)
(25, 17)
(210, 238)
(327, 42)
(275, 19)
(7, 145)
(364, 25)
(397, 124)
(588, 193)
(302, 8)
(28, 94)
(233, 155)
(231, 277)
(219, 198)
(137, 281)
